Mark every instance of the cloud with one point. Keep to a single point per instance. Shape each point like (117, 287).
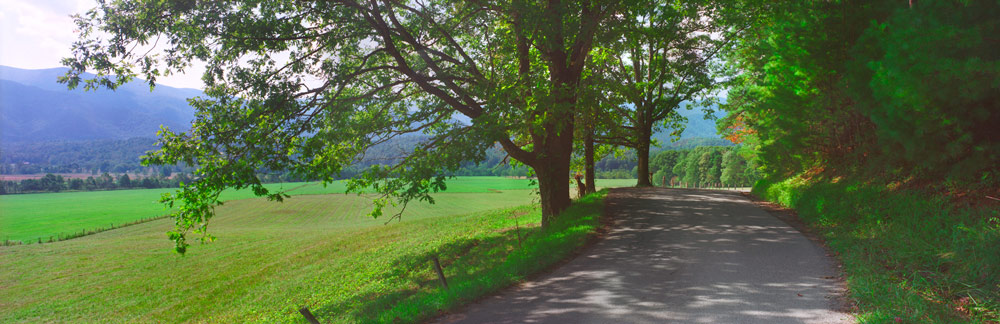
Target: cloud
(37, 34)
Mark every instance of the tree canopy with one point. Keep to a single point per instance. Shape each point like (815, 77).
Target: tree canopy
(308, 86)
(663, 58)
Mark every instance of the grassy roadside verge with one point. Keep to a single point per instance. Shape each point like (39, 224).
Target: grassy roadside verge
(909, 256)
(502, 253)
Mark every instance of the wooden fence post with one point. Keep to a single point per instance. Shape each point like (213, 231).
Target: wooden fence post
(308, 315)
(437, 267)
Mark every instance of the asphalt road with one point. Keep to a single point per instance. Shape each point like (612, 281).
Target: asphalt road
(679, 256)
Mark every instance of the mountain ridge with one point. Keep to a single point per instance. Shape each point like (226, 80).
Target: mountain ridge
(34, 107)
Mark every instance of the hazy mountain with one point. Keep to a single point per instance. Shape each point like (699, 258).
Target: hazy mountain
(36, 108)
(697, 126)
(43, 123)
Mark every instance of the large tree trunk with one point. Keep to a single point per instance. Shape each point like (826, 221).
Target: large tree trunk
(553, 139)
(555, 136)
(588, 160)
(553, 173)
(642, 152)
(553, 187)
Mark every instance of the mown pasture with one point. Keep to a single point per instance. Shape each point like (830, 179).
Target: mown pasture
(33, 217)
(317, 250)
(30, 217)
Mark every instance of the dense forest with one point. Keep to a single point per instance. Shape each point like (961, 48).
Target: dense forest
(94, 157)
(123, 156)
(704, 167)
(884, 90)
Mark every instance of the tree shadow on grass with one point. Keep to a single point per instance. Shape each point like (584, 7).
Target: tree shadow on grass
(473, 265)
(415, 283)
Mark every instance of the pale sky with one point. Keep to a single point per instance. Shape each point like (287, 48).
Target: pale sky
(37, 34)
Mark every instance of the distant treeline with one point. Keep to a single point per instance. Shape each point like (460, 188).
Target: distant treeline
(122, 156)
(622, 166)
(111, 161)
(95, 157)
(704, 167)
(56, 183)
(496, 164)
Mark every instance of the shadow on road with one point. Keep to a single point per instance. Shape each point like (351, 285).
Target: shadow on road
(679, 256)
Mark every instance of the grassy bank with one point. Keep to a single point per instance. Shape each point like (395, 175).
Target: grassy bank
(488, 260)
(908, 254)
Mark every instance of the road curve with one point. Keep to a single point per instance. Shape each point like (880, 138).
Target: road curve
(679, 256)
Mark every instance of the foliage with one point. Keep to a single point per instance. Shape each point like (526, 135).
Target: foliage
(95, 157)
(690, 143)
(839, 85)
(908, 254)
(732, 167)
(704, 166)
(663, 59)
(307, 87)
(868, 118)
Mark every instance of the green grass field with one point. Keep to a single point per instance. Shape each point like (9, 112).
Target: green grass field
(32, 217)
(272, 258)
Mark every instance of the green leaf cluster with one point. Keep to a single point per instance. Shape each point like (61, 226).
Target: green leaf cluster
(912, 88)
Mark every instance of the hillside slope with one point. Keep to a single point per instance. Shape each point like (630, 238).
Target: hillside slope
(35, 108)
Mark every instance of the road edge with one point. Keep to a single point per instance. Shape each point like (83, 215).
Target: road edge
(843, 301)
(606, 223)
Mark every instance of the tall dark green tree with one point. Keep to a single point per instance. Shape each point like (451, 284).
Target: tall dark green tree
(679, 168)
(52, 182)
(76, 184)
(105, 181)
(732, 169)
(124, 181)
(662, 165)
